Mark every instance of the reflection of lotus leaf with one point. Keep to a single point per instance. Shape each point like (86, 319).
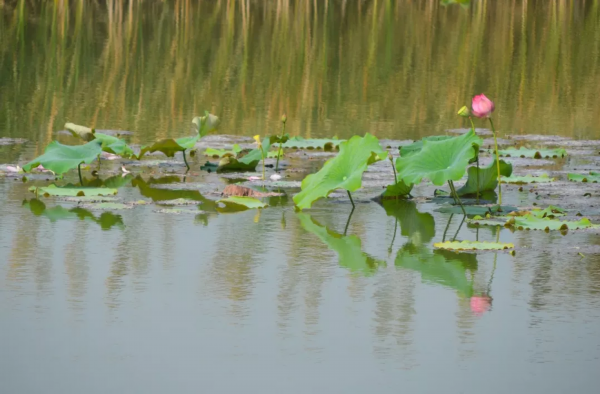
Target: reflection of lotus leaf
(344, 171)
(488, 178)
(156, 194)
(106, 220)
(60, 158)
(348, 247)
(411, 220)
(447, 269)
(439, 161)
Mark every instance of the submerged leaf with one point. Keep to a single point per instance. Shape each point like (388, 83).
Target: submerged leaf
(473, 245)
(234, 204)
(532, 153)
(439, 161)
(593, 177)
(72, 191)
(524, 179)
(341, 172)
(311, 143)
(60, 158)
(488, 178)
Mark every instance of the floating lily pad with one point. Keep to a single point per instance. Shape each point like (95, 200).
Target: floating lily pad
(488, 178)
(177, 211)
(72, 191)
(593, 177)
(301, 143)
(90, 199)
(60, 158)
(233, 204)
(416, 146)
(473, 245)
(531, 222)
(439, 161)
(178, 202)
(223, 152)
(548, 212)
(492, 209)
(524, 179)
(348, 247)
(532, 153)
(341, 172)
(106, 206)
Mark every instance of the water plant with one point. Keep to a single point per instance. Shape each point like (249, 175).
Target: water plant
(262, 154)
(283, 120)
(110, 144)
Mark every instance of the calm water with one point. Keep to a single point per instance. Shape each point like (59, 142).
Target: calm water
(286, 302)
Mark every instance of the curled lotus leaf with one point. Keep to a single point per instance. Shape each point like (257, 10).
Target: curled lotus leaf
(170, 146)
(202, 125)
(439, 161)
(473, 245)
(234, 204)
(110, 144)
(416, 146)
(532, 153)
(488, 178)
(343, 171)
(524, 179)
(312, 143)
(72, 191)
(83, 132)
(592, 177)
(60, 158)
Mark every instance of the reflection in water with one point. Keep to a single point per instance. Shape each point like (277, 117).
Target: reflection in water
(106, 220)
(348, 247)
(336, 67)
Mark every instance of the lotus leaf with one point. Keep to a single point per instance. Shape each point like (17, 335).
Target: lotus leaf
(110, 143)
(170, 146)
(521, 180)
(202, 125)
(416, 146)
(72, 191)
(85, 133)
(301, 143)
(532, 222)
(440, 267)
(593, 177)
(234, 204)
(439, 161)
(477, 209)
(222, 152)
(397, 190)
(341, 172)
(548, 212)
(488, 178)
(532, 153)
(60, 158)
(473, 245)
(348, 247)
(247, 162)
(106, 206)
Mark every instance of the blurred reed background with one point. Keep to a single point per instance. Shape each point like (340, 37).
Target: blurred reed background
(398, 69)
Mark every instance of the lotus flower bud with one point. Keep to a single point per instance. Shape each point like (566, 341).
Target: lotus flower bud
(284, 118)
(464, 112)
(482, 106)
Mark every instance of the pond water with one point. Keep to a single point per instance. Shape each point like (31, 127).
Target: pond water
(325, 300)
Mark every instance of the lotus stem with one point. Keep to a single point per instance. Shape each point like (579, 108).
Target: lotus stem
(185, 161)
(497, 163)
(349, 217)
(98, 162)
(473, 128)
(393, 169)
(458, 229)
(279, 150)
(263, 163)
(447, 227)
(79, 172)
(453, 189)
(351, 200)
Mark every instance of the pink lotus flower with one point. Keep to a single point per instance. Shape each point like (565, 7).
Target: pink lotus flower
(481, 304)
(482, 106)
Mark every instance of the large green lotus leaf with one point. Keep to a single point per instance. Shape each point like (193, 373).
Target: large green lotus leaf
(593, 177)
(488, 178)
(473, 245)
(203, 125)
(170, 146)
(412, 221)
(444, 268)
(247, 162)
(60, 158)
(114, 145)
(532, 153)
(397, 190)
(343, 171)
(312, 143)
(348, 247)
(85, 133)
(416, 146)
(439, 161)
(235, 204)
(524, 179)
(72, 191)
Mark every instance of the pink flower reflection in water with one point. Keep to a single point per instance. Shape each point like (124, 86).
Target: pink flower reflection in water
(481, 304)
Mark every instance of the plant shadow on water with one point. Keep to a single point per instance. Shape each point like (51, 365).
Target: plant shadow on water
(106, 220)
